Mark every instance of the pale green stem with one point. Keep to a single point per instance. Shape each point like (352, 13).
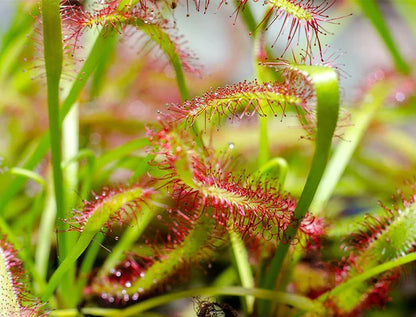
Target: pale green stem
(70, 149)
(275, 169)
(299, 302)
(46, 229)
(53, 52)
(70, 136)
(243, 267)
(75, 313)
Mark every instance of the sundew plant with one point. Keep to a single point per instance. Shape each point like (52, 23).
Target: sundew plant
(137, 181)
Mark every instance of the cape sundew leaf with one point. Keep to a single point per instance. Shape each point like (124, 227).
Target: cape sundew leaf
(133, 284)
(246, 99)
(382, 239)
(205, 180)
(142, 16)
(300, 16)
(111, 206)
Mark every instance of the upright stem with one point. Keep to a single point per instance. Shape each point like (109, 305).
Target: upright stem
(51, 21)
(70, 138)
(46, 232)
(243, 268)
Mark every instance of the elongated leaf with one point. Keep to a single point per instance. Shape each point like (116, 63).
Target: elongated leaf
(382, 239)
(325, 82)
(373, 13)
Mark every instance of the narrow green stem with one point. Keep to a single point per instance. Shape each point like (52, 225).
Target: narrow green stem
(299, 302)
(373, 13)
(70, 137)
(96, 312)
(46, 229)
(53, 51)
(70, 150)
(243, 267)
(276, 169)
(180, 78)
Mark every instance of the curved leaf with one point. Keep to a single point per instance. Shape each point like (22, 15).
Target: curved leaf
(325, 83)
